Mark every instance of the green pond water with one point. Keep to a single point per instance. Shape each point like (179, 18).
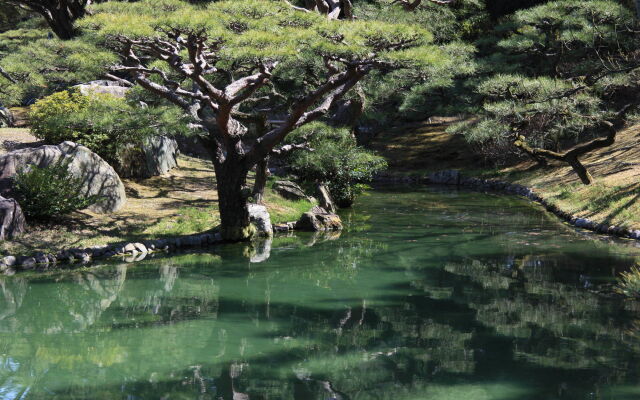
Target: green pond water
(428, 294)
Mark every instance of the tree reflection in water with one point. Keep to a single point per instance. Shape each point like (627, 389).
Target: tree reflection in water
(408, 311)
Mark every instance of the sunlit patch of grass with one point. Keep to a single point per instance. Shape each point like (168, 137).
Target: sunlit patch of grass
(186, 221)
(629, 284)
(612, 204)
(283, 210)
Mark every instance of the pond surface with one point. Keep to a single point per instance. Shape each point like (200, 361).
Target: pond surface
(429, 294)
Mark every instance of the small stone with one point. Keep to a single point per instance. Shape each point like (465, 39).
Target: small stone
(635, 234)
(41, 258)
(9, 261)
(130, 248)
(141, 248)
(97, 251)
(27, 262)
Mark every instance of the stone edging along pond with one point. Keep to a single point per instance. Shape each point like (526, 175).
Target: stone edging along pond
(131, 251)
(316, 219)
(43, 261)
(455, 178)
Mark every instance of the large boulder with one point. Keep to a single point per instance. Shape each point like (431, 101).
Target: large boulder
(103, 86)
(324, 198)
(317, 220)
(259, 216)
(157, 156)
(161, 154)
(98, 178)
(12, 221)
(290, 190)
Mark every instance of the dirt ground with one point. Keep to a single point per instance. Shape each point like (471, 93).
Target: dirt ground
(184, 201)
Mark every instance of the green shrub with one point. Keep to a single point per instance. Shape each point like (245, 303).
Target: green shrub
(50, 192)
(630, 282)
(335, 160)
(107, 125)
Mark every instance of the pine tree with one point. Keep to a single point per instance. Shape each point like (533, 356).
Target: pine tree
(219, 62)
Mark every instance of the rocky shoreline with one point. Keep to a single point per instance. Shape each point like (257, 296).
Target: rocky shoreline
(455, 178)
(317, 219)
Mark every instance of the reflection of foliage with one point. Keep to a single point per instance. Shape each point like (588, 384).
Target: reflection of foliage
(551, 324)
(367, 316)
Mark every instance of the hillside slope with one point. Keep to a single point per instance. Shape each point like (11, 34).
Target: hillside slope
(613, 198)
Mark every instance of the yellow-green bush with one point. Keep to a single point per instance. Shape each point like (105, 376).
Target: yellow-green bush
(107, 125)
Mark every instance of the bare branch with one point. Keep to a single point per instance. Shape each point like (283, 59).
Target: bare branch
(7, 76)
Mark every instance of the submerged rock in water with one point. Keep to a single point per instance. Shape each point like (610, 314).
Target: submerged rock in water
(12, 221)
(98, 178)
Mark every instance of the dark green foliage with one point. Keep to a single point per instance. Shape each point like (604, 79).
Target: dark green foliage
(40, 66)
(335, 160)
(552, 75)
(107, 125)
(50, 192)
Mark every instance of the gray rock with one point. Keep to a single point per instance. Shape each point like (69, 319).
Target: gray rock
(324, 198)
(27, 262)
(98, 251)
(12, 221)
(98, 178)
(582, 223)
(140, 247)
(260, 218)
(281, 228)
(190, 241)
(42, 258)
(162, 244)
(103, 87)
(9, 261)
(314, 221)
(446, 177)
(635, 234)
(6, 118)
(130, 248)
(290, 190)
(161, 154)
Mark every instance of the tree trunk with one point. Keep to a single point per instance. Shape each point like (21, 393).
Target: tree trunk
(579, 169)
(262, 172)
(232, 201)
(60, 23)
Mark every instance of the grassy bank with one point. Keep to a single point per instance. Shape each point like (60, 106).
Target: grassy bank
(613, 198)
(182, 202)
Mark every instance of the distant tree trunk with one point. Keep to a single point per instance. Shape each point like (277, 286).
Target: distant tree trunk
(59, 14)
(61, 23)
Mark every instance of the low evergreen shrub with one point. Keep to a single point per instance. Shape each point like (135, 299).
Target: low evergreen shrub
(50, 192)
(107, 125)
